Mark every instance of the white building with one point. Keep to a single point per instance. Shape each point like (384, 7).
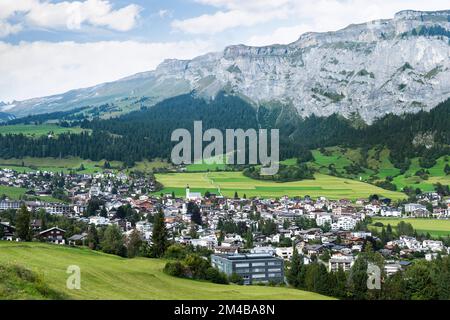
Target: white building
(323, 219)
(344, 223)
(285, 253)
(340, 261)
(433, 245)
(192, 195)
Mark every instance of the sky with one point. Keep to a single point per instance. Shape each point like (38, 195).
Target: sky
(52, 46)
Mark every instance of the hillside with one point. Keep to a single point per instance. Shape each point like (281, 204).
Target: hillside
(110, 277)
(386, 66)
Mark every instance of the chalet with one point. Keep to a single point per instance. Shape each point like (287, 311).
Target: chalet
(77, 239)
(53, 235)
(7, 231)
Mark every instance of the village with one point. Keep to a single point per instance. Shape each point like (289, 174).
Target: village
(236, 231)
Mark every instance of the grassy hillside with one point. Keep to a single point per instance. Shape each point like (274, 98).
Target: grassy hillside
(227, 183)
(435, 227)
(377, 166)
(110, 277)
(38, 130)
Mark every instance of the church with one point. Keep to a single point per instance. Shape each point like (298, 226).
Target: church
(192, 195)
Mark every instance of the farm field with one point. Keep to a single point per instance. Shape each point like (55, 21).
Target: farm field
(435, 227)
(38, 130)
(110, 277)
(227, 183)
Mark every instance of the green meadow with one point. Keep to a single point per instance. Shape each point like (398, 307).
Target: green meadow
(109, 277)
(227, 183)
(433, 226)
(38, 130)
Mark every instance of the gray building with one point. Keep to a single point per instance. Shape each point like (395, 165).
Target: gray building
(253, 268)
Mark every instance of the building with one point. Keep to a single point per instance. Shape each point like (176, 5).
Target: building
(285, 252)
(53, 235)
(192, 195)
(7, 231)
(6, 205)
(340, 261)
(253, 268)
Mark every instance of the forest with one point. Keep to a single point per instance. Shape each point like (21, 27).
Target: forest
(145, 134)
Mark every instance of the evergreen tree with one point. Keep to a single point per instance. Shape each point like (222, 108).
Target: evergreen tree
(23, 221)
(92, 238)
(293, 273)
(249, 239)
(159, 236)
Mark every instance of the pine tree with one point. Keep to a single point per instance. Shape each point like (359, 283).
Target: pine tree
(92, 238)
(249, 239)
(295, 269)
(23, 221)
(159, 236)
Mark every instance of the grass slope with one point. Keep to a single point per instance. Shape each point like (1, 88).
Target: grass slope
(435, 227)
(110, 277)
(227, 183)
(38, 130)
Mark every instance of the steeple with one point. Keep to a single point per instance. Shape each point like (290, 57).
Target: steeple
(188, 192)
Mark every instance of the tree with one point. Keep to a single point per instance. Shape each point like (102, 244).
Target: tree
(92, 238)
(23, 221)
(316, 278)
(194, 211)
(134, 243)
(159, 236)
(295, 269)
(249, 239)
(236, 196)
(113, 242)
(358, 279)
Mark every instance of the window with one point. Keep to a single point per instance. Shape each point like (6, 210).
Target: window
(274, 263)
(258, 264)
(274, 275)
(242, 265)
(258, 276)
(275, 270)
(259, 270)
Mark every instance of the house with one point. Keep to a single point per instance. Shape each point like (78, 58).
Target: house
(253, 268)
(285, 253)
(77, 239)
(392, 268)
(340, 261)
(53, 235)
(6, 205)
(7, 231)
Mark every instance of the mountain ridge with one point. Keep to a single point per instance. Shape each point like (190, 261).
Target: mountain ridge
(398, 65)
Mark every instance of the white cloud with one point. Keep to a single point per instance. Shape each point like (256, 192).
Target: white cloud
(314, 15)
(68, 15)
(35, 69)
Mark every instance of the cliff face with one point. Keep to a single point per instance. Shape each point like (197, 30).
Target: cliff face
(387, 66)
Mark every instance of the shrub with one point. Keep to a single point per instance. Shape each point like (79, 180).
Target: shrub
(237, 279)
(175, 269)
(215, 276)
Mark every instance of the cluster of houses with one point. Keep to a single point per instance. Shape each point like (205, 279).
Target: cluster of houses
(333, 231)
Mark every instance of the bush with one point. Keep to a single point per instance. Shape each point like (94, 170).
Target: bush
(215, 276)
(175, 269)
(237, 279)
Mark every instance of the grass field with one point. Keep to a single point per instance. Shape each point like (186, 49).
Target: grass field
(38, 130)
(110, 277)
(55, 164)
(227, 183)
(16, 193)
(435, 227)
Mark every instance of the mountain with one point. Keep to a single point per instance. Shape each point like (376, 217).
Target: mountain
(4, 117)
(398, 66)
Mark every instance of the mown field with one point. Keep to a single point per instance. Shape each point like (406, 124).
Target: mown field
(227, 183)
(16, 193)
(110, 277)
(435, 227)
(38, 130)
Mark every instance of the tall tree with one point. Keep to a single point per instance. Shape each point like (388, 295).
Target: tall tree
(92, 238)
(159, 236)
(113, 241)
(293, 273)
(134, 243)
(23, 221)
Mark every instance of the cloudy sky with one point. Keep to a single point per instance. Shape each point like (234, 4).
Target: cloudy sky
(51, 46)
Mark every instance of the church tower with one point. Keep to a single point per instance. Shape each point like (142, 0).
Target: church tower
(188, 192)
